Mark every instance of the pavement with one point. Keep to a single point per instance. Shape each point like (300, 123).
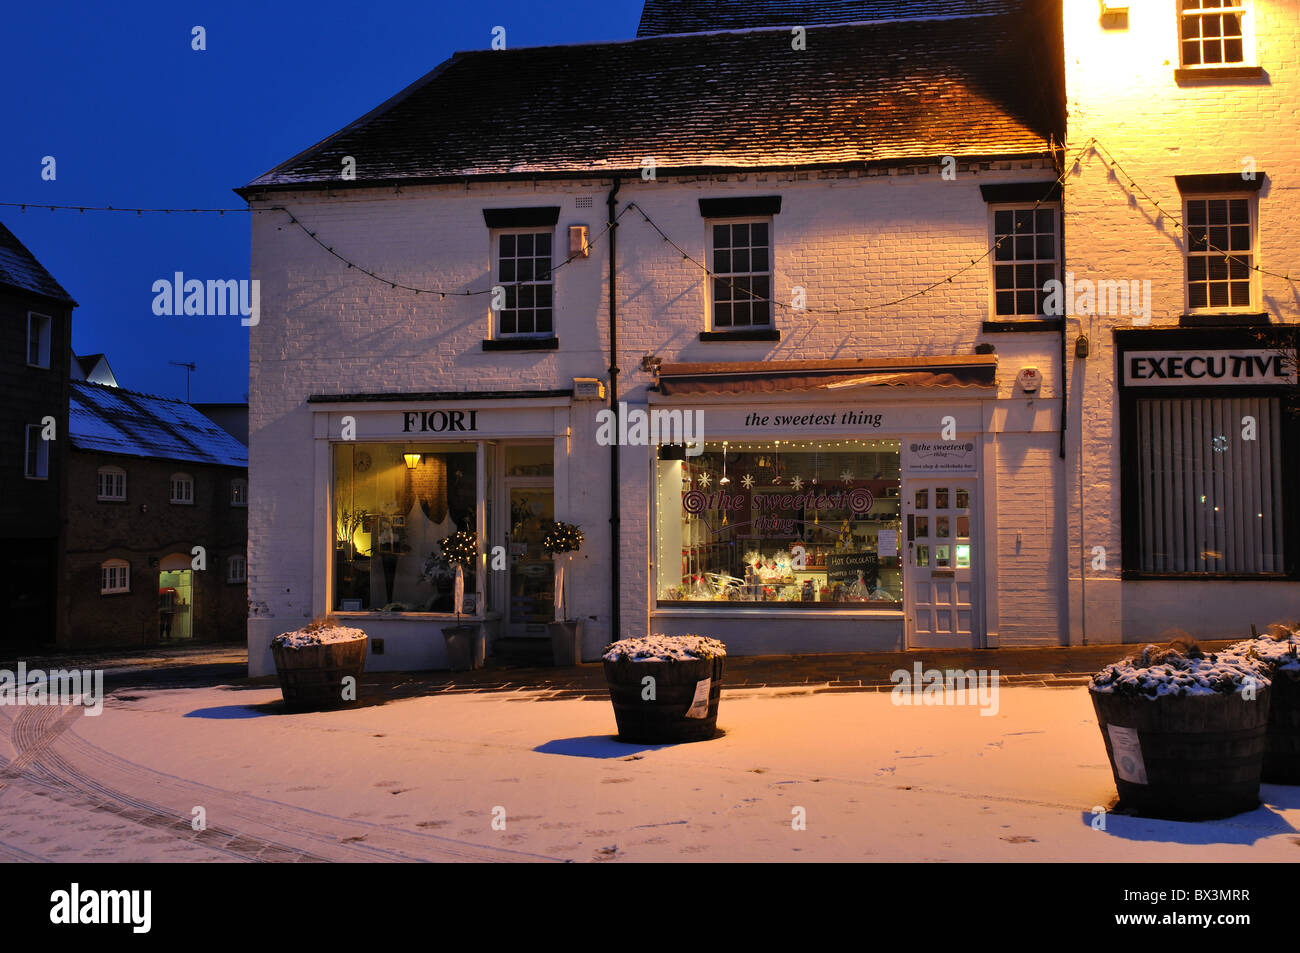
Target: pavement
(226, 664)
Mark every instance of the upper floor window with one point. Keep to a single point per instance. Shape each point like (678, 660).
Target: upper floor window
(237, 569)
(741, 257)
(37, 464)
(38, 339)
(112, 483)
(1025, 257)
(239, 492)
(1212, 32)
(1220, 253)
(524, 271)
(114, 576)
(182, 488)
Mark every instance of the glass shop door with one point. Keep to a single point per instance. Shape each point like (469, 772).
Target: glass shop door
(530, 593)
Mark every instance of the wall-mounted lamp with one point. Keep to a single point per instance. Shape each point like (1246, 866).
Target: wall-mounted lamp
(412, 460)
(1081, 346)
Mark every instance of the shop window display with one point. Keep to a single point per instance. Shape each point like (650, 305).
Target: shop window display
(814, 524)
(392, 504)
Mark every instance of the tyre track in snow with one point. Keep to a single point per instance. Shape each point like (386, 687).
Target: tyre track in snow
(250, 828)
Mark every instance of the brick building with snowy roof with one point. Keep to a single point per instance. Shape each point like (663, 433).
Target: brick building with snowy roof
(155, 523)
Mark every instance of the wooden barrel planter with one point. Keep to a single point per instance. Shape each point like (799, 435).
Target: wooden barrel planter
(311, 676)
(1282, 748)
(1186, 758)
(665, 719)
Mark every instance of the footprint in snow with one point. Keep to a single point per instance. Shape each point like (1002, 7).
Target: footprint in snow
(1020, 839)
(604, 853)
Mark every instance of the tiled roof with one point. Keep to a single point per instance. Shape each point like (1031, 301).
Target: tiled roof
(20, 269)
(112, 420)
(696, 16)
(745, 99)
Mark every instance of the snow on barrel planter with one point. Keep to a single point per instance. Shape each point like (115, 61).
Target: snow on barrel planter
(1184, 731)
(1280, 651)
(665, 689)
(319, 665)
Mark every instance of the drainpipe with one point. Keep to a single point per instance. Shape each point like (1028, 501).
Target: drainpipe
(615, 501)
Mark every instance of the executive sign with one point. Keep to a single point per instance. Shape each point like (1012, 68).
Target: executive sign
(1208, 368)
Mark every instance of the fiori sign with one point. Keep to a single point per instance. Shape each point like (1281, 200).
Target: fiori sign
(1208, 368)
(439, 421)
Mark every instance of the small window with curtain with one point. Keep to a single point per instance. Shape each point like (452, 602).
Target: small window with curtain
(112, 484)
(182, 489)
(114, 576)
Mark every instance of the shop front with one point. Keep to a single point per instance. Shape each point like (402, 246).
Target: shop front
(395, 478)
(825, 511)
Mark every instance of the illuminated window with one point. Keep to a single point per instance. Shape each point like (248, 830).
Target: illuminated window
(793, 524)
(182, 489)
(1024, 259)
(114, 576)
(741, 255)
(389, 520)
(524, 271)
(1212, 32)
(1220, 254)
(112, 483)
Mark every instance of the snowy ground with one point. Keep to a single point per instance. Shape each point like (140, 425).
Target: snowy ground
(421, 778)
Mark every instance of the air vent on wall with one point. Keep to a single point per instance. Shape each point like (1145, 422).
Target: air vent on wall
(582, 201)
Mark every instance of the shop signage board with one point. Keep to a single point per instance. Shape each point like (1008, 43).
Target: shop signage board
(939, 456)
(1208, 368)
(845, 567)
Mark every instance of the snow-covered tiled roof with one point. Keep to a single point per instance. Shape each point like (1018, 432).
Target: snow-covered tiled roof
(113, 420)
(20, 269)
(980, 86)
(697, 16)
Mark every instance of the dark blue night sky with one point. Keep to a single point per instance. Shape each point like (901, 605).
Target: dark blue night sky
(134, 117)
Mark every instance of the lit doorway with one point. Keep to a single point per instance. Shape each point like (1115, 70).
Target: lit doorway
(175, 599)
(939, 574)
(530, 595)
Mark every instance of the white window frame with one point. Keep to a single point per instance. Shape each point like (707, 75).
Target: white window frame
(45, 330)
(184, 480)
(241, 561)
(1240, 7)
(1013, 207)
(110, 496)
(114, 577)
(1252, 207)
(36, 467)
(709, 300)
(236, 497)
(496, 236)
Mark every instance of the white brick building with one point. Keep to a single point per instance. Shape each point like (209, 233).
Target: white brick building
(823, 235)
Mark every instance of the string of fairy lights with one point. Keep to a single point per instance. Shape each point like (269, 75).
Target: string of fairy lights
(1092, 145)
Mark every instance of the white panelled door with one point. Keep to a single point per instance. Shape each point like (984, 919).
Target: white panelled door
(938, 575)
